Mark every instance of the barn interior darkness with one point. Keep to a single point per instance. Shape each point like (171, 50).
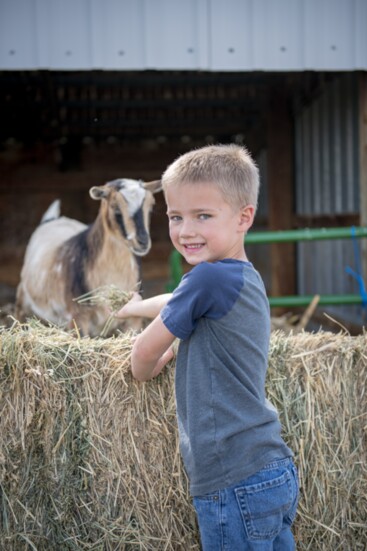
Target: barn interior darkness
(63, 132)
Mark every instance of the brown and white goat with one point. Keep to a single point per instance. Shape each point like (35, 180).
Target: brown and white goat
(66, 259)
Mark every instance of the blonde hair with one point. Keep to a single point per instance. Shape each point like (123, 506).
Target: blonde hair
(229, 167)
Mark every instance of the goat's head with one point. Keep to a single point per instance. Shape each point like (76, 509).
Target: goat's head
(126, 209)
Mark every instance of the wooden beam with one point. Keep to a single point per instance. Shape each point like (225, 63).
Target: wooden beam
(281, 192)
(326, 220)
(362, 124)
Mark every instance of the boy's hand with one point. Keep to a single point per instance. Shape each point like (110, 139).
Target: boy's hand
(128, 310)
(163, 361)
(152, 350)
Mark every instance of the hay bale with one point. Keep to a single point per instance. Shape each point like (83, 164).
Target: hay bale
(318, 382)
(89, 458)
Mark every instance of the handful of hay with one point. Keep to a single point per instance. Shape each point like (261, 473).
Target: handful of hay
(89, 457)
(109, 295)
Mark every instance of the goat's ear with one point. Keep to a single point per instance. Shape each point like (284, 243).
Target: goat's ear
(154, 186)
(98, 193)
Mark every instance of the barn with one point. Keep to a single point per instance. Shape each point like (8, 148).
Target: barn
(91, 91)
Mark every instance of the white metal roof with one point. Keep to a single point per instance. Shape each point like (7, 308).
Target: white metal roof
(213, 35)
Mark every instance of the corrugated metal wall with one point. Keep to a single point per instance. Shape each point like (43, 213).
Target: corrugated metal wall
(327, 184)
(215, 35)
(327, 151)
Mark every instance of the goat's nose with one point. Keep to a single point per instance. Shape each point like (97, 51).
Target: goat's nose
(143, 241)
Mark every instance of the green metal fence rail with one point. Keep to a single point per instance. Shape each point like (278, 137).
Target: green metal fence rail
(306, 234)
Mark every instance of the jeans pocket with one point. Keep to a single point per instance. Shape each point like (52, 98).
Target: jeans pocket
(264, 505)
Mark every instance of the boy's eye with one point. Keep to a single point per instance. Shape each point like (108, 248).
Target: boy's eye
(174, 218)
(204, 216)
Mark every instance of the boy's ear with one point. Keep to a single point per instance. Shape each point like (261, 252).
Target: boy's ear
(247, 215)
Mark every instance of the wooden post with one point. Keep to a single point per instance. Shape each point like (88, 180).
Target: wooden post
(362, 123)
(281, 193)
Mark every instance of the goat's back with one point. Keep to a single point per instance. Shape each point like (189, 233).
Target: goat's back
(41, 277)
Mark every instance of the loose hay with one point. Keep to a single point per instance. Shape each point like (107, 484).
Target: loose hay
(89, 458)
(108, 295)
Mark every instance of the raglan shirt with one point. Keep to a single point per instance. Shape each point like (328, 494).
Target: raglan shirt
(227, 428)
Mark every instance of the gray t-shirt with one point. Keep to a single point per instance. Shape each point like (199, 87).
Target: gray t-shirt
(227, 428)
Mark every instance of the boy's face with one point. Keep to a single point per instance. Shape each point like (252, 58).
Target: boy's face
(203, 226)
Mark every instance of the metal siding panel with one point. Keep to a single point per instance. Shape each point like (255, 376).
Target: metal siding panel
(300, 269)
(241, 35)
(172, 34)
(118, 37)
(308, 269)
(360, 34)
(322, 267)
(328, 266)
(203, 35)
(337, 151)
(278, 35)
(312, 28)
(232, 35)
(329, 126)
(348, 145)
(352, 145)
(336, 140)
(321, 280)
(43, 17)
(336, 269)
(18, 34)
(69, 34)
(356, 148)
(329, 34)
(331, 149)
(321, 270)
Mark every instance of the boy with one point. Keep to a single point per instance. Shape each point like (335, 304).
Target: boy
(242, 478)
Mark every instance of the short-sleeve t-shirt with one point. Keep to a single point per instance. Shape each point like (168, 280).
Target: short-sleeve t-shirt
(228, 430)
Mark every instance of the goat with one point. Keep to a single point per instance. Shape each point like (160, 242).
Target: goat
(65, 259)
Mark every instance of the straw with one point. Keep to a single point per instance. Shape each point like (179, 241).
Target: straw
(89, 458)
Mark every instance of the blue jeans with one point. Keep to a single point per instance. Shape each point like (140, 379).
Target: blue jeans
(255, 514)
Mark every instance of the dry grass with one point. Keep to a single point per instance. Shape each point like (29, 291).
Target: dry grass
(107, 295)
(318, 383)
(89, 458)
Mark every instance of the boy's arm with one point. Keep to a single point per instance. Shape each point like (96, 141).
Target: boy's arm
(151, 350)
(148, 308)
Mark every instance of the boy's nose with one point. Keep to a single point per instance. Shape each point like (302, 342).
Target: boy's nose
(187, 228)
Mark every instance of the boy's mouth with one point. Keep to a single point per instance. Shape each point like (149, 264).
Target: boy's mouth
(193, 246)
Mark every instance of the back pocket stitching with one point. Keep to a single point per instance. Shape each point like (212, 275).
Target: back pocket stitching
(248, 518)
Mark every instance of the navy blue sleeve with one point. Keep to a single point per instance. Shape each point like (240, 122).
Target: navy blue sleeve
(208, 290)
